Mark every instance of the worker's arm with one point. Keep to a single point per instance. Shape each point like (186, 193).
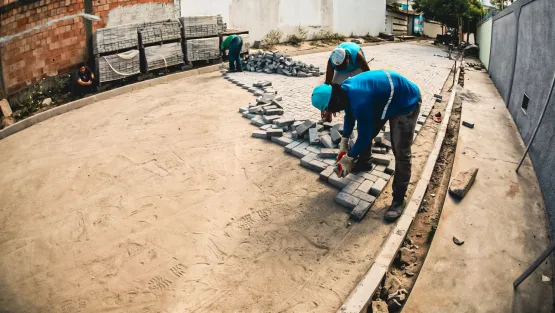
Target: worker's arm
(362, 61)
(82, 83)
(329, 73)
(348, 124)
(364, 138)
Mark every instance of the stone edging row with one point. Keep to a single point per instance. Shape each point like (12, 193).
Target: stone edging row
(360, 298)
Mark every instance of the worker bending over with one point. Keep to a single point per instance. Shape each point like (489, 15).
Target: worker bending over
(234, 43)
(345, 61)
(370, 99)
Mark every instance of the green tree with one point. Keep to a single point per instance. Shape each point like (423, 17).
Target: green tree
(501, 4)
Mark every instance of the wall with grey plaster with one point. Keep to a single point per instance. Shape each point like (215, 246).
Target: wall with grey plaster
(534, 68)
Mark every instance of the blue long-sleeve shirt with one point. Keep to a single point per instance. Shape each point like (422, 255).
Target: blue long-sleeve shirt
(376, 95)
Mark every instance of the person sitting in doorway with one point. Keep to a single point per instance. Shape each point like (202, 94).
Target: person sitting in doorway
(347, 60)
(85, 82)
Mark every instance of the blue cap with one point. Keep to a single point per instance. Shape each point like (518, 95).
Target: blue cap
(321, 97)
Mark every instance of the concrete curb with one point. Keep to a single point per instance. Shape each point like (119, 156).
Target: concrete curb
(74, 105)
(360, 298)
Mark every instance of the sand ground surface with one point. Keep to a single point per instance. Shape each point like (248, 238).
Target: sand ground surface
(159, 201)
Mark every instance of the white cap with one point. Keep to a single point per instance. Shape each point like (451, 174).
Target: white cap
(338, 56)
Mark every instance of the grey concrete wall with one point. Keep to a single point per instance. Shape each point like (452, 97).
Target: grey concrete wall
(524, 35)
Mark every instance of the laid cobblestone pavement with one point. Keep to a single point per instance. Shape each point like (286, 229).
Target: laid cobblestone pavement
(418, 62)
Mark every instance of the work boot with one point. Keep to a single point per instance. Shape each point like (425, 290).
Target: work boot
(395, 210)
(362, 165)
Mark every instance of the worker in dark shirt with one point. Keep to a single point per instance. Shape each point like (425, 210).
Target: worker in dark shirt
(85, 82)
(370, 99)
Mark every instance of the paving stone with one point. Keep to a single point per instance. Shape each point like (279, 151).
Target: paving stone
(390, 169)
(365, 186)
(319, 127)
(379, 168)
(323, 133)
(355, 178)
(265, 127)
(274, 132)
(273, 112)
(335, 135)
(307, 158)
(294, 134)
(249, 115)
(329, 153)
(338, 182)
(258, 121)
(360, 210)
(317, 165)
(269, 119)
(381, 175)
(243, 109)
(285, 122)
(338, 127)
(313, 149)
(462, 182)
(304, 127)
(347, 200)
(314, 139)
(351, 187)
(282, 141)
(378, 139)
(364, 196)
(378, 186)
(330, 161)
(325, 174)
(369, 176)
(259, 134)
(379, 150)
(300, 152)
(381, 159)
(327, 142)
(328, 125)
(289, 147)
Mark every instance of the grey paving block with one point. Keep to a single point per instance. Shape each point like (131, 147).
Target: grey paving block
(255, 110)
(327, 142)
(273, 112)
(323, 133)
(265, 127)
(390, 169)
(325, 174)
(274, 132)
(313, 149)
(381, 175)
(377, 187)
(335, 135)
(282, 141)
(364, 196)
(304, 127)
(351, 187)
(365, 186)
(285, 122)
(369, 176)
(338, 182)
(317, 166)
(258, 121)
(330, 161)
(329, 153)
(360, 210)
(338, 127)
(319, 127)
(269, 118)
(356, 178)
(379, 168)
(381, 159)
(379, 150)
(259, 134)
(347, 200)
(379, 138)
(314, 139)
(294, 144)
(243, 109)
(307, 158)
(300, 152)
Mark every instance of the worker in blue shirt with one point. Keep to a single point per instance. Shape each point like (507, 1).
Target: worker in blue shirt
(370, 99)
(346, 60)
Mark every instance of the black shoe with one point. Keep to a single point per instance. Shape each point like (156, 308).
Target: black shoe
(395, 210)
(362, 166)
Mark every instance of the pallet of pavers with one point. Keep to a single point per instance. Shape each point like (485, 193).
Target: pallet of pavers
(163, 56)
(160, 31)
(246, 42)
(203, 49)
(118, 66)
(202, 26)
(118, 38)
(316, 144)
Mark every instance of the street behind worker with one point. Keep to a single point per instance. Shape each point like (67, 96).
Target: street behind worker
(234, 43)
(347, 60)
(370, 99)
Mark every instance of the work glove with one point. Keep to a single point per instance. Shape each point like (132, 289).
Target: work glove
(344, 166)
(343, 148)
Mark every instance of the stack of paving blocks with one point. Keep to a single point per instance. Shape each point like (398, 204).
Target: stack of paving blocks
(202, 26)
(160, 31)
(203, 49)
(117, 38)
(118, 66)
(163, 56)
(316, 144)
(275, 62)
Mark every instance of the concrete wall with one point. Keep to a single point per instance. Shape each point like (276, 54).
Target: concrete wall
(522, 62)
(484, 41)
(260, 16)
(432, 29)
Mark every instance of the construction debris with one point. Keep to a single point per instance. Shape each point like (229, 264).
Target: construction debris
(458, 241)
(275, 62)
(462, 183)
(467, 124)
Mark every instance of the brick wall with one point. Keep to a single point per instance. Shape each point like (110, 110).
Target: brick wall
(49, 50)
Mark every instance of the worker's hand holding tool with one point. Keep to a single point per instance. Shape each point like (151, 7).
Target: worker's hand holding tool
(343, 148)
(344, 166)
